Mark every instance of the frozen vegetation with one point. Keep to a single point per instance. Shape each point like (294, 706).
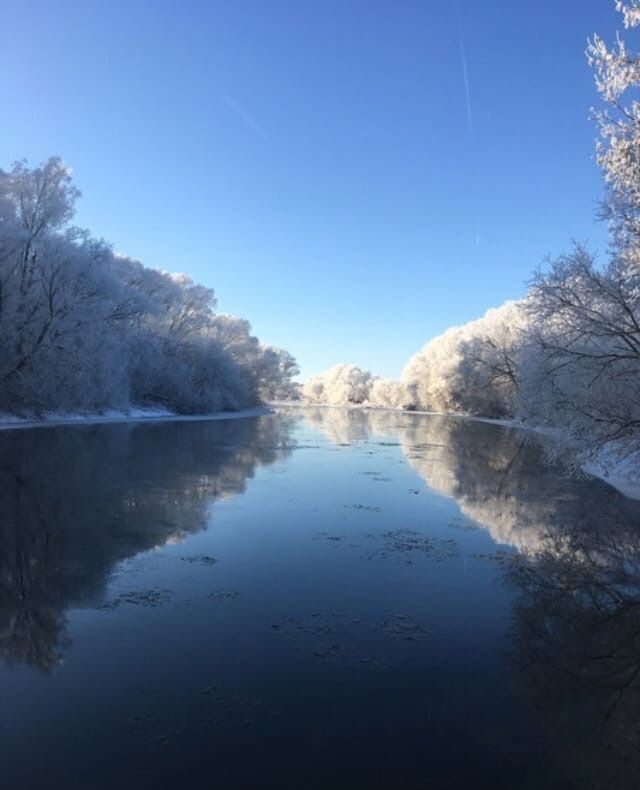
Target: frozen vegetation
(85, 329)
(566, 357)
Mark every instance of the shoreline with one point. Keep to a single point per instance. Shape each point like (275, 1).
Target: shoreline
(135, 415)
(616, 474)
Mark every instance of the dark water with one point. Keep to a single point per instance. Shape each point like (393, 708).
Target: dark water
(313, 599)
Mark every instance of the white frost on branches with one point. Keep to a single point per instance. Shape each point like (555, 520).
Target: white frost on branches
(630, 12)
(349, 385)
(85, 329)
(473, 369)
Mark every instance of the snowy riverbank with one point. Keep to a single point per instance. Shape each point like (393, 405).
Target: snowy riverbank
(612, 464)
(49, 420)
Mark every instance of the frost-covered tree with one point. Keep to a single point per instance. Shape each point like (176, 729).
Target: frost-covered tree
(472, 368)
(270, 370)
(491, 361)
(339, 386)
(584, 374)
(349, 385)
(617, 75)
(57, 298)
(388, 393)
(275, 371)
(84, 329)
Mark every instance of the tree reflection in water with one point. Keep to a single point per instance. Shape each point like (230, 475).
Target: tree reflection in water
(576, 644)
(498, 476)
(575, 632)
(76, 501)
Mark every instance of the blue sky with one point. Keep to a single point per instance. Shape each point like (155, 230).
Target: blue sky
(322, 165)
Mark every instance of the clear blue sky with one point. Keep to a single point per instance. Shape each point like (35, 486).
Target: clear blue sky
(320, 164)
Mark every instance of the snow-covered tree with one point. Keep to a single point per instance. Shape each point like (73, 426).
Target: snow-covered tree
(472, 368)
(57, 298)
(339, 386)
(82, 328)
(617, 75)
(388, 393)
(276, 369)
(584, 374)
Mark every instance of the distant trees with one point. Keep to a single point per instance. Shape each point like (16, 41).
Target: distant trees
(85, 329)
(472, 369)
(340, 385)
(388, 393)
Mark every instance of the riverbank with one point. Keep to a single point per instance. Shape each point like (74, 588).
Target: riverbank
(133, 415)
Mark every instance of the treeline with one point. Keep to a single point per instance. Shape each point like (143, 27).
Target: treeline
(85, 329)
(567, 355)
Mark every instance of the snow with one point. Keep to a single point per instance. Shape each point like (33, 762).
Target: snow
(621, 473)
(133, 415)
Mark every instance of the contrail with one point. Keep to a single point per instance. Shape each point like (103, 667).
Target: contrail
(245, 116)
(467, 96)
(465, 72)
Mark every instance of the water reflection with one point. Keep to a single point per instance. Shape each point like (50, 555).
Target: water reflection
(76, 501)
(575, 623)
(576, 645)
(497, 475)
(318, 623)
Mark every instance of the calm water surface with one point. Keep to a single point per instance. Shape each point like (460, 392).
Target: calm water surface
(313, 599)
